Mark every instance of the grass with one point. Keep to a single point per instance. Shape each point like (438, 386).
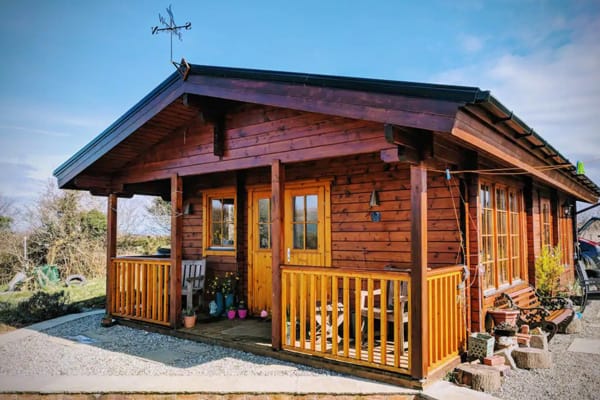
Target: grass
(18, 309)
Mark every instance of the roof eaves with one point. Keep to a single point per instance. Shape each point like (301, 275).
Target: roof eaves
(64, 167)
(585, 181)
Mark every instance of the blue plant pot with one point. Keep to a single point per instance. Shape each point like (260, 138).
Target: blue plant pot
(220, 303)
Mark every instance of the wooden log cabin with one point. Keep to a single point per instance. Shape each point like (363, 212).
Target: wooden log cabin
(376, 220)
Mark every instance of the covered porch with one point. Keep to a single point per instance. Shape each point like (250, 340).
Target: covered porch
(351, 332)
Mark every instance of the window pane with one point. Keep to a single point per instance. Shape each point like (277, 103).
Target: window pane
(312, 241)
(263, 210)
(264, 240)
(312, 208)
(216, 234)
(217, 210)
(228, 210)
(298, 208)
(299, 236)
(228, 235)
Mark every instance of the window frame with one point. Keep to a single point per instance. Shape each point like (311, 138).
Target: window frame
(492, 275)
(207, 196)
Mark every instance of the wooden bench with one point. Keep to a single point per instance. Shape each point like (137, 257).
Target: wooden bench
(193, 276)
(549, 313)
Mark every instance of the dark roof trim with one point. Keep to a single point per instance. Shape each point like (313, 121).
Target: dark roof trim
(461, 94)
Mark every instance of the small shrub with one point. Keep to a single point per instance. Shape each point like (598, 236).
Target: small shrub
(42, 306)
(548, 268)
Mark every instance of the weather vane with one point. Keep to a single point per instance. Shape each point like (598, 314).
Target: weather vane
(182, 67)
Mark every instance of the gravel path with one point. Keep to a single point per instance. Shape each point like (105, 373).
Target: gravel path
(123, 351)
(574, 375)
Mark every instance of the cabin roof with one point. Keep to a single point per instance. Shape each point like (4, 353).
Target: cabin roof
(174, 87)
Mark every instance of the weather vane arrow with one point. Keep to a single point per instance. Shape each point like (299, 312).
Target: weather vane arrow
(171, 27)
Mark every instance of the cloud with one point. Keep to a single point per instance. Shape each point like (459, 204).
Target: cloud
(470, 43)
(554, 90)
(15, 183)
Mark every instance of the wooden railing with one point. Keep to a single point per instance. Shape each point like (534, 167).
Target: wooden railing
(360, 317)
(140, 289)
(446, 315)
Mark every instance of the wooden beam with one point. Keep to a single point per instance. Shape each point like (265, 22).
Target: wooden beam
(277, 209)
(219, 136)
(429, 114)
(414, 145)
(176, 248)
(419, 300)
(111, 247)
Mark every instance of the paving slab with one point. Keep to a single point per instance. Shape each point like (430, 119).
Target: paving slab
(164, 356)
(581, 345)
(444, 390)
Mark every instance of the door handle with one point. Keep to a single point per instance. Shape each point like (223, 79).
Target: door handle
(289, 255)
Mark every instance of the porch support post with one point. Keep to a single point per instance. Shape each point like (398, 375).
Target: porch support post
(277, 188)
(418, 302)
(176, 241)
(111, 248)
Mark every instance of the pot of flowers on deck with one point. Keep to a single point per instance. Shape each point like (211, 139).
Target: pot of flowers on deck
(189, 318)
(228, 287)
(214, 289)
(231, 312)
(242, 310)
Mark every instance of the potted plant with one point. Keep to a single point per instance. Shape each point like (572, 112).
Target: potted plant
(504, 316)
(189, 318)
(107, 321)
(231, 312)
(228, 287)
(214, 288)
(242, 310)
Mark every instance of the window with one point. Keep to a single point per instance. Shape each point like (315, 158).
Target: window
(219, 232)
(514, 209)
(546, 224)
(264, 223)
(305, 222)
(501, 235)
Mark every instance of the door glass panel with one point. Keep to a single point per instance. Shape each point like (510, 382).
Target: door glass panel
(264, 224)
(263, 210)
(298, 236)
(312, 241)
(312, 208)
(298, 208)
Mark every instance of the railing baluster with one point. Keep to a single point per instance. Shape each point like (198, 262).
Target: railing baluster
(357, 319)
(313, 305)
(334, 315)
(303, 300)
(383, 321)
(346, 291)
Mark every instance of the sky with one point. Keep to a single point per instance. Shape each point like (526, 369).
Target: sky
(71, 68)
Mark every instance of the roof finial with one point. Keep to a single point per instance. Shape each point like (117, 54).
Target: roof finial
(182, 67)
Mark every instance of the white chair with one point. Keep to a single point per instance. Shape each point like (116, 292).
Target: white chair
(193, 276)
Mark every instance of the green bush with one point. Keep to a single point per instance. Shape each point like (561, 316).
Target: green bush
(548, 269)
(42, 306)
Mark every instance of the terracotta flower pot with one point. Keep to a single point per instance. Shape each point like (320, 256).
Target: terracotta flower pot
(231, 314)
(242, 313)
(189, 321)
(508, 316)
